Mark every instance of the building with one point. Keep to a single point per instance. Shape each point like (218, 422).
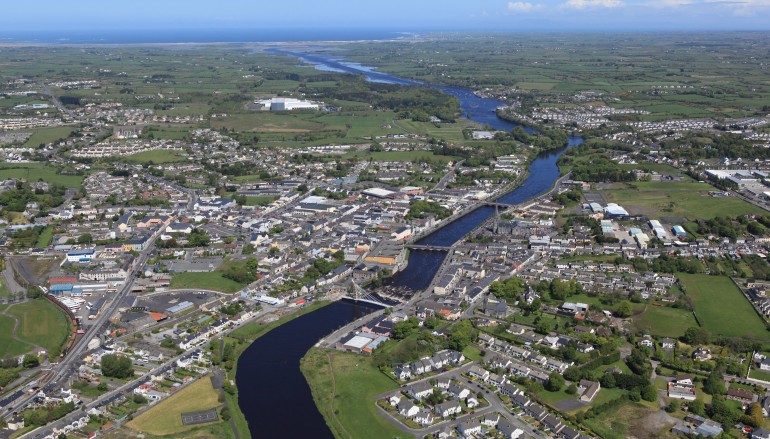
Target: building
(285, 104)
(85, 255)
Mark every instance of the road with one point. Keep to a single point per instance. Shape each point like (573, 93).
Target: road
(129, 386)
(45, 90)
(441, 185)
(67, 366)
(495, 405)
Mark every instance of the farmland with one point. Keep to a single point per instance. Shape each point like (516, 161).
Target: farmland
(38, 171)
(665, 321)
(721, 308)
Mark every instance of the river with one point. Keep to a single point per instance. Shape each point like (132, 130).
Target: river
(273, 393)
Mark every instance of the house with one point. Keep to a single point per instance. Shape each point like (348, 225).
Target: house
(745, 397)
(407, 409)
(588, 390)
(394, 399)
(552, 423)
(764, 364)
(508, 430)
(701, 354)
(403, 373)
(759, 433)
(458, 391)
(766, 406)
(668, 343)
(448, 408)
(424, 417)
(419, 390)
(490, 419)
(477, 372)
(647, 342)
(682, 388)
(469, 428)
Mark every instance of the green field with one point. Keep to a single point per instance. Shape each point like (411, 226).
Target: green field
(665, 321)
(165, 418)
(398, 156)
(158, 157)
(206, 281)
(721, 307)
(45, 238)
(678, 199)
(9, 345)
(344, 386)
(47, 135)
(41, 323)
(38, 171)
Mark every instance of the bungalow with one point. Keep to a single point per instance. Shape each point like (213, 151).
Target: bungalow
(743, 396)
(701, 354)
(668, 343)
(682, 388)
(448, 408)
(588, 390)
(394, 399)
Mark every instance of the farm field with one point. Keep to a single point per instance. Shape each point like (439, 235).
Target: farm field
(41, 323)
(721, 308)
(47, 135)
(343, 387)
(38, 171)
(165, 418)
(664, 321)
(676, 199)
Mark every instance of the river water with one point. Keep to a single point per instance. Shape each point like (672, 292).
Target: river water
(272, 392)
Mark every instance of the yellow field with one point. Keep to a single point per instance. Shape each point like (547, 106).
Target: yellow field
(166, 417)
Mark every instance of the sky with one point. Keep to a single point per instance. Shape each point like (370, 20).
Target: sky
(398, 15)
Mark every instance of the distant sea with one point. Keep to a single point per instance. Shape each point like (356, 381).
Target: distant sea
(196, 36)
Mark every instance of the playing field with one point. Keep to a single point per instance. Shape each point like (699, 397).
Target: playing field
(8, 344)
(344, 393)
(664, 321)
(166, 417)
(41, 323)
(721, 307)
(679, 199)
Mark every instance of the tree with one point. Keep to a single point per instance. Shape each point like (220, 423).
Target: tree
(102, 387)
(572, 389)
(116, 366)
(461, 334)
(673, 406)
(555, 382)
(623, 309)
(696, 336)
(405, 328)
(698, 407)
(139, 399)
(715, 383)
(649, 393)
(30, 361)
(753, 416)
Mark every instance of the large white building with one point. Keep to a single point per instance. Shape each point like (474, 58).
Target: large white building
(286, 104)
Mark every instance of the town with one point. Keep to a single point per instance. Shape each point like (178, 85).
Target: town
(601, 273)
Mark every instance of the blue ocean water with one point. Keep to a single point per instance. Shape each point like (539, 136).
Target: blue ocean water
(113, 36)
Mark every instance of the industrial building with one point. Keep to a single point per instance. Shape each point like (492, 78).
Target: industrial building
(285, 104)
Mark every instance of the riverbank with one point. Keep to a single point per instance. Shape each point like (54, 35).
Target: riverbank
(344, 386)
(242, 338)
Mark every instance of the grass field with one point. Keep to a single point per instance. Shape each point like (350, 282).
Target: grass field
(397, 156)
(681, 199)
(47, 135)
(37, 171)
(165, 418)
(665, 321)
(45, 238)
(206, 281)
(41, 323)
(158, 157)
(344, 386)
(629, 417)
(9, 345)
(721, 308)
